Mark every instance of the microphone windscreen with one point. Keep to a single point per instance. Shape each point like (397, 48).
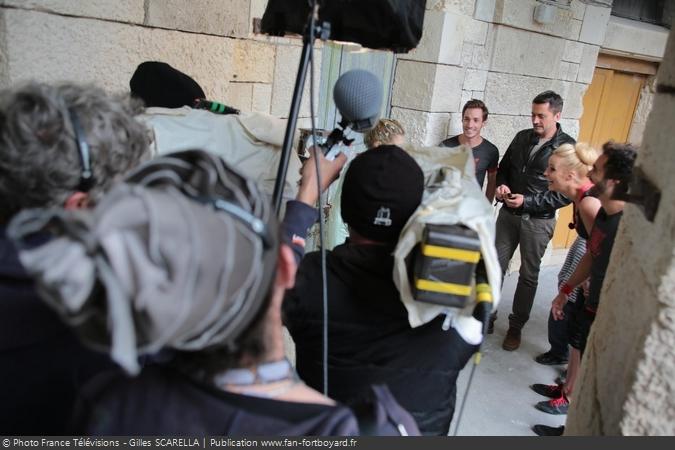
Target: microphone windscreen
(358, 97)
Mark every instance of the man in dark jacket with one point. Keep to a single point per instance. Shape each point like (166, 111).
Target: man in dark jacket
(528, 215)
(60, 146)
(369, 337)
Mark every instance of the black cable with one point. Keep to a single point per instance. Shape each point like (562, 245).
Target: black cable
(316, 150)
(481, 312)
(476, 361)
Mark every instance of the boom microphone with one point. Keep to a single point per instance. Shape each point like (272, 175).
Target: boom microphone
(358, 98)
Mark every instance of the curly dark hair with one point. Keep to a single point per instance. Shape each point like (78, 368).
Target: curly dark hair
(39, 158)
(619, 163)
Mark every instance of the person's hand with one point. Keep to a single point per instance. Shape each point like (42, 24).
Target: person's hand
(514, 200)
(501, 191)
(308, 192)
(557, 306)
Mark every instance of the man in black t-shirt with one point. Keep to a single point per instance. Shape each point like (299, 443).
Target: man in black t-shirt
(485, 153)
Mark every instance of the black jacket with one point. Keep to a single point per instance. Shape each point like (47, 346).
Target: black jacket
(370, 340)
(162, 401)
(42, 363)
(525, 175)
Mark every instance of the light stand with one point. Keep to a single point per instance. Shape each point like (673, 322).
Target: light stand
(322, 32)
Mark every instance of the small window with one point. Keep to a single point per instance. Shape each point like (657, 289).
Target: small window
(644, 11)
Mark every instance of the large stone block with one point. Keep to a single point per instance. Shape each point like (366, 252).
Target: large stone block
(414, 85)
(578, 8)
(441, 41)
(485, 10)
(570, 126)
(241, 96)
(572, 52)
(574, 100)
(636, 38)
(219, 17)
(466, 96)
(467, 54)
(285, 71)
(528, 53)
(454, 124)
(422, 128)
(253, 61)
(595, 24)
(501, 129)
(520, 14)
(482, 57)
(131, 11)
(464, 7)
(262, 98)
(589, 57)
(49, 47)
(513, 94)
(474, 80)
(448, 84)
(568, 71)
(475, 31)
(427, 87)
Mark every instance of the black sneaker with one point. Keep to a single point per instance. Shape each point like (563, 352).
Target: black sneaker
(547, 390)
(545, 430)
(550, 359)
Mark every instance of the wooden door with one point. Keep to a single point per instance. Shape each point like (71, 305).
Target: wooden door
(609, 105)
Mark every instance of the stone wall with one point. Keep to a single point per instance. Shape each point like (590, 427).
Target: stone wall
(642, 111)
(102, 42)
(627, 380)
(493, 50)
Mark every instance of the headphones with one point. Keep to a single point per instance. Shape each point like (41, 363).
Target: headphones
(87, 180)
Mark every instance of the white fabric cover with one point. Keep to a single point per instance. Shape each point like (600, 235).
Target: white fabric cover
(452, 196)
(249, 142)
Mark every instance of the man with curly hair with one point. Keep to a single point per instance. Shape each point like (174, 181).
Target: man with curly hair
(60, 146)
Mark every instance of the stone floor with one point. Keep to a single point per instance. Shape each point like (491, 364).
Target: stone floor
(500, 402)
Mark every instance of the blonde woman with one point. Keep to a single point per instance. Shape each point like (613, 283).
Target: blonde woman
(385, 132)
(567, 173)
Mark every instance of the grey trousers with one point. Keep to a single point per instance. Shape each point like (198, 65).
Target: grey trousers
(533, 235)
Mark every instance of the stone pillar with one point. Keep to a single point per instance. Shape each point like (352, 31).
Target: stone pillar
(627, 381)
